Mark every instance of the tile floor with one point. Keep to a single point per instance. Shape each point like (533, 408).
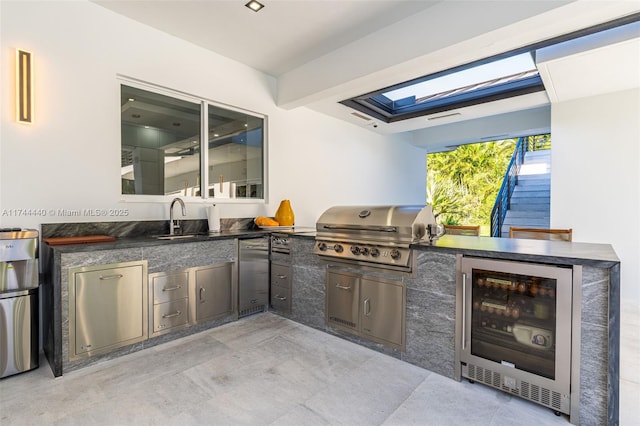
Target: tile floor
(261, 370)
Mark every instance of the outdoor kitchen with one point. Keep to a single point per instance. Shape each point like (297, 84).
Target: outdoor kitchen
(235, 227)
(402, 289)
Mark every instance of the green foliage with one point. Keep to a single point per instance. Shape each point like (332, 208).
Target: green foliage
(539, 142)
(462, 184)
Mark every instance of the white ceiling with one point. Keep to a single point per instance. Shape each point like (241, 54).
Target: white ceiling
(614, 66)
(282, 36)
(325, 51)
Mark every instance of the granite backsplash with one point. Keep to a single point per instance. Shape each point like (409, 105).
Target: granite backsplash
(134, 229)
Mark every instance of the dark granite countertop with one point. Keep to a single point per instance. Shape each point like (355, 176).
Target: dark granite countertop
(151, 240)
(555, 252)
(143, 234)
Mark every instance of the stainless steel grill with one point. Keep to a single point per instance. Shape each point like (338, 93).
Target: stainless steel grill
(373, 236)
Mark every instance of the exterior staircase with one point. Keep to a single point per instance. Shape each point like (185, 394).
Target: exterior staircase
(530, 201)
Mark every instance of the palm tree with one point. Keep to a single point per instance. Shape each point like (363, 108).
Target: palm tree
(462, 184)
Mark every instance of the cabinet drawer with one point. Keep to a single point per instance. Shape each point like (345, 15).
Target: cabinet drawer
(281, 298)
(170, 314)
(280, 275)
(169, 286)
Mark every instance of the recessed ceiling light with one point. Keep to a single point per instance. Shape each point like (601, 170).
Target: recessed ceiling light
(254, 5)
(215, 135)
(131, 99)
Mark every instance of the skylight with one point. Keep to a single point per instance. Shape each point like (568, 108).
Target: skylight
(486, 81)
(470, 77)
(504, 76)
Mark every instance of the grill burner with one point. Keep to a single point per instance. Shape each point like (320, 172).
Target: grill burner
(377, 236)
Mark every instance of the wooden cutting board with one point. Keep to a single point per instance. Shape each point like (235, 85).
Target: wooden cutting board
(58, 241)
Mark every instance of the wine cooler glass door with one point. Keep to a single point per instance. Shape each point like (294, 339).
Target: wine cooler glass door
(518, 316)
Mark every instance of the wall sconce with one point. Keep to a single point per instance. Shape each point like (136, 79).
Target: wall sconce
(24, 86)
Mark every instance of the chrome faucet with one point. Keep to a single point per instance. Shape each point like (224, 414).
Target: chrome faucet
(175, 224)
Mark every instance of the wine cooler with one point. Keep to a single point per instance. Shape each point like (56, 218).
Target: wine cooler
(515, 328)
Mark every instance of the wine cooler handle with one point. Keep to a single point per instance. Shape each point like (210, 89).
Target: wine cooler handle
(464, 311)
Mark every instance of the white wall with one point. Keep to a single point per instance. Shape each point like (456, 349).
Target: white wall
(70, 157)
(534, 121)
(595, 189)
(595, 179)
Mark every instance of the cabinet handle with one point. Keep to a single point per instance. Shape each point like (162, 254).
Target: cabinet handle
(464, 311)
(172, 288)
(202, 290)
(111, 277)
(282, 277)
(280, 297)
(367, 307)
(341, 287)
(172, 315)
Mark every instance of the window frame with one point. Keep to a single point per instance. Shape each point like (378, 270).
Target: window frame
(203, 144)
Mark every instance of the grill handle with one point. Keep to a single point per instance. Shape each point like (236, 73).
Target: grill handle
(362, 228)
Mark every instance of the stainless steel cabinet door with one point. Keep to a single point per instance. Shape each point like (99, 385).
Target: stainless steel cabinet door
(213, 286)
(382, 311)
(342, 300)
(107, 308)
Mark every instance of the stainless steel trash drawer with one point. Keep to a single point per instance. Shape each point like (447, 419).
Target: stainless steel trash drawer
(107, 307)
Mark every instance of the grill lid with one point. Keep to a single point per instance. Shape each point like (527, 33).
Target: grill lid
(381, 224)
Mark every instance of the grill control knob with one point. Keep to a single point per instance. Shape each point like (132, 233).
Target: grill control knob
(355, 250)
(322, 246)
(364, 251)
(375, 252)
(395, 254)
(338, 248)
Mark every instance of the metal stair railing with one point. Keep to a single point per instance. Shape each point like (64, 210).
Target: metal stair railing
(503, 199)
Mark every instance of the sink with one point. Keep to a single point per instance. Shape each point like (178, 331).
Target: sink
(174, 237)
